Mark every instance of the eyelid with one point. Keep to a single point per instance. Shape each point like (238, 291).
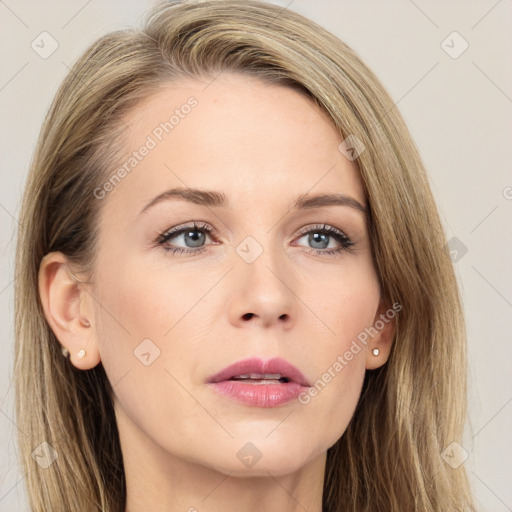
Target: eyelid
(321, 227)
(195, 225)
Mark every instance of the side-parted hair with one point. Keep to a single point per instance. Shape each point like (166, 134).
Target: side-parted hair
(410, 410)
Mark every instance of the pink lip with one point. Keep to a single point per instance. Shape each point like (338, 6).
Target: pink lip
(260, 395)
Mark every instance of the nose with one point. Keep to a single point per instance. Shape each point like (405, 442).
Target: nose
(262, 293)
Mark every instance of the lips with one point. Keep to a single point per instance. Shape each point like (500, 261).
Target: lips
(257, 383)
(257, 371)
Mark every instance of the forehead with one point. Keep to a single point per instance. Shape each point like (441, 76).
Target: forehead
(237, 134)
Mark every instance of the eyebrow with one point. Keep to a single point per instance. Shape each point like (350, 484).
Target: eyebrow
(211, 198)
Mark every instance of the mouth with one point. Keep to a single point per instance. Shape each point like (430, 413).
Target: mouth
(255, 370)
(260, 383)
(258, 378)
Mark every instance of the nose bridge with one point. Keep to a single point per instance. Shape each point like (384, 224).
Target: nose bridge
(261, 290)
(261, 261)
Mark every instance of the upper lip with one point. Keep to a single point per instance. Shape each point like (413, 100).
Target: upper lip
(275, 365)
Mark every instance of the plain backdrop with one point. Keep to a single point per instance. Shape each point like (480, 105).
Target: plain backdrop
(457, 102)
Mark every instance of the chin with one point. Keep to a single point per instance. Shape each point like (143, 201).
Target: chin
(261, 458)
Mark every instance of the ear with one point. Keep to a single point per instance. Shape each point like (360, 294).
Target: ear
(67, 307)
(384, 325)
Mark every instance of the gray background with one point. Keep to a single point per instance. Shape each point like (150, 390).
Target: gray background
(459, 112)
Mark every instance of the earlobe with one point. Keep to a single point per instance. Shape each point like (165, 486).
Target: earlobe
(379, 347)
(62, 297)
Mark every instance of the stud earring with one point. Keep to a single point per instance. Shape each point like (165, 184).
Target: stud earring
(375, 351)
(85, 322)
(81, 354)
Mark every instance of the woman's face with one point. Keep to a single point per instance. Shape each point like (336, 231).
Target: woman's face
(266, 282)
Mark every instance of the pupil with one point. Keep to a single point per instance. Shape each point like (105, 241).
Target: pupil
(315, 239)
(196, 236)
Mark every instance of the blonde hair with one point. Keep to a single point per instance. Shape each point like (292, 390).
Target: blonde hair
(410, 410)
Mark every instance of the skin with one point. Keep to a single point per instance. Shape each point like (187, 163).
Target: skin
(262, 145)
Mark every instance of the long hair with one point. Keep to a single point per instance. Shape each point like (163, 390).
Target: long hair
(410, 409)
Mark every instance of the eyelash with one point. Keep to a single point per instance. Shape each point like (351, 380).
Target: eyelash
(338, 235)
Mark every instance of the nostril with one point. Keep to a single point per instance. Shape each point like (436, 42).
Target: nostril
(248, 316)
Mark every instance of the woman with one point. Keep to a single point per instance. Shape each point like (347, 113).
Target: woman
(233, 291)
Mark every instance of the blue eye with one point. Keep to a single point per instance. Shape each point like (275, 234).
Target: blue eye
(194, 236)
(321, 235)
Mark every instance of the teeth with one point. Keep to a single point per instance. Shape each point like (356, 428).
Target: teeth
(265, 376)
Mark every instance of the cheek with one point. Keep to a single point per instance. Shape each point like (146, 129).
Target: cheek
(139, 303)
(348, 310)
(133, 314)
(346, 303)
(330, 402)
(149, 323)
(142, 317)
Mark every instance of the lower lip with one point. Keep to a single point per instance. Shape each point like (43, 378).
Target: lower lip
(259, 395)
